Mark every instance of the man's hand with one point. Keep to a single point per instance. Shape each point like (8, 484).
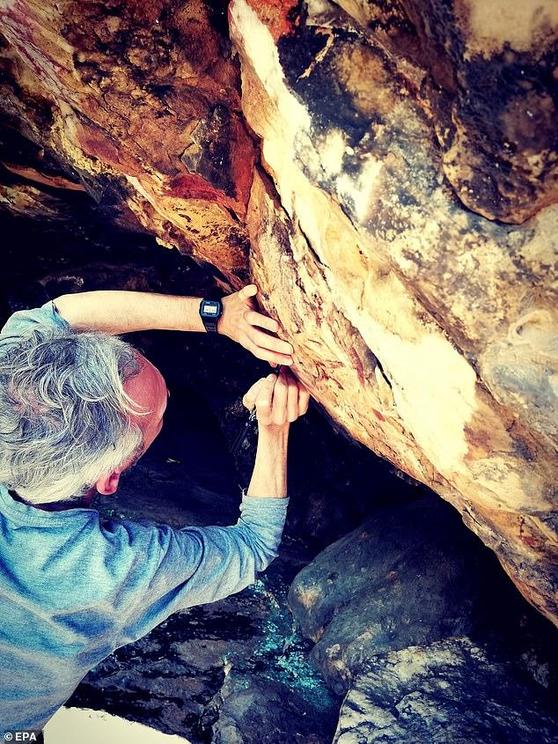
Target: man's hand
(242, 323)
(278, 399)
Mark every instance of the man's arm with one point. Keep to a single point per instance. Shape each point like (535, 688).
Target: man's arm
(195, 565)
(117, 312)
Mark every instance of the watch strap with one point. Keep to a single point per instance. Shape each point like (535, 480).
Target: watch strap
(210, 325)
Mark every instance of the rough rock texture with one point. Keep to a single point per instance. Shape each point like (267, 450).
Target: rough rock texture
(402, 213)
(426, 329)
(249, 710)
(451, 691)
(211, 674)
(137, 103)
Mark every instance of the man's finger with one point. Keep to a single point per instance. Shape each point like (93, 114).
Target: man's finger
(264, 398)
(263, 321)
(280, 397)
(249, 398)
(303, 399)
(272, 343)
(269, 356)
(292, 399)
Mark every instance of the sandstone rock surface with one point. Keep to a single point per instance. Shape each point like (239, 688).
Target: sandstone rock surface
(393, 170)
(425, 320)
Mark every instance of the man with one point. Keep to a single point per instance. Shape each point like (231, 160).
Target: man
(78, 406)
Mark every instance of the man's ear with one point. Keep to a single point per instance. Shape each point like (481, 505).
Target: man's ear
(108, 484)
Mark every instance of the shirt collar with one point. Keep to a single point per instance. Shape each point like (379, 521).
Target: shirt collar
(27, 514)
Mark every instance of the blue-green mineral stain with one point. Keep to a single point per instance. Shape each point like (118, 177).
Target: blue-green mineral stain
(283, 652)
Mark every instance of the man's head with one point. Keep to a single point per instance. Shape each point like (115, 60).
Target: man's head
(76, 409)
(149, 392)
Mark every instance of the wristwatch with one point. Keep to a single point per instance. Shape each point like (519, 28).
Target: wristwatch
(210, 312)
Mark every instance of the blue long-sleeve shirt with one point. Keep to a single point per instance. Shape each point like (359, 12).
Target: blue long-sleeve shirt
(74, 586)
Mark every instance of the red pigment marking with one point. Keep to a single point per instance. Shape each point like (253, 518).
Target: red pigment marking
(98, 147)
(192, 186)
(28, 45)
(358, 366)
(532, 542)
(378, 415)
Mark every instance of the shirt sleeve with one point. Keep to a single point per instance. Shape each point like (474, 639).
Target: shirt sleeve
(171, 569)
(23, 322)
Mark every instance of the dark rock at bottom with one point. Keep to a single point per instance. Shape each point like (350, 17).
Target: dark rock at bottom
(252, 709)
(414, 619)
(450, 691)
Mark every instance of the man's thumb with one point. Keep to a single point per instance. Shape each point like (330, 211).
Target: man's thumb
(250, 290)
(249, 399)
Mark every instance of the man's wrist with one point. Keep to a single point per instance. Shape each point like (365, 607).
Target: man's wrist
(187, 314)
(275, 435)
(269, 477)
(222, 323)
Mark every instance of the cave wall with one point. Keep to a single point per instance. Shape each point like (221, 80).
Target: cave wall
(386, 173)
(137, 102)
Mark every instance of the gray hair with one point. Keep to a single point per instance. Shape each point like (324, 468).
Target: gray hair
(64, 413)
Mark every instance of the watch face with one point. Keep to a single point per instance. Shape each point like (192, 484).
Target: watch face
(210, 309)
